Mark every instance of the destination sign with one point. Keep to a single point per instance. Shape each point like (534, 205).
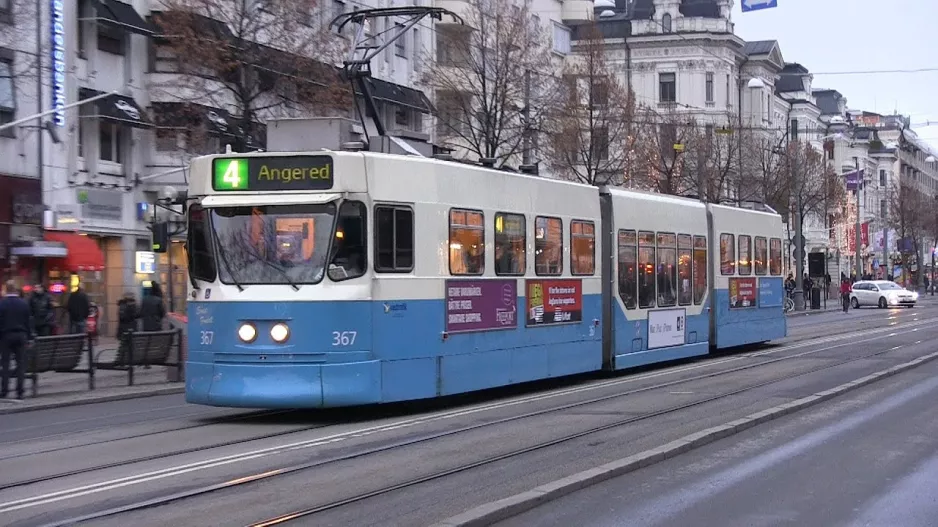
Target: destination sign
(272, 173)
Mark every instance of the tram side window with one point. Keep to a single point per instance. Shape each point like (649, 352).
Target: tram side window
(700, 269)
(582, 247)
(667, 270)
(684, 270)
(775, 256)
(350, 247)
(727, 254)
(394, 239)
(198, 247)
(628, 264)
(510, 244)
(646, 270)
(762, 256)
(466, 242)
(548, 246)
(745, 255)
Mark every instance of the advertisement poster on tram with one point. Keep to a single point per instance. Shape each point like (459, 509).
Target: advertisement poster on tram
(743, 293)
(481, 305)
(553, 302)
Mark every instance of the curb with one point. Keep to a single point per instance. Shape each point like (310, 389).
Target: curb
(499, 510)
(169, 390)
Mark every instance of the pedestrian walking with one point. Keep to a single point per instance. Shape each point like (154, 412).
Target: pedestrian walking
(16, 333)
(79, 308)
(845, 289)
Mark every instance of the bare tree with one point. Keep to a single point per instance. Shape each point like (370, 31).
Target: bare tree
(492, 79)
(666, 155)
(913, 216)
(255, 60)
(715, 165)
(765, 174)
(592, 136)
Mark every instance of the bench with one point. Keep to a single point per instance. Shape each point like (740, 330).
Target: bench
(144, 348)
(58, 353)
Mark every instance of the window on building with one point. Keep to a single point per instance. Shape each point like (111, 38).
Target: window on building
(394, 239)
(350, 248)
(402, 116)
(700, 269)
(628, 268)
(762, 256)
(7, 93)
(452, 46)
(709, 87)
(775, 256)
(599, 92)
(415, 48)
(561, 39)
(727, 254)
(548, 246)
(666, 23)
(883, 209)
(466, 242)
(667, 269)
(646, 270)
(667, 87)
(882, 178)
(582, 247)
(111, 40)
(599, 144)
(6, 11)
(166, 140)
(164, 59)
(400, 45)
(685, 269)
(728, 101)
(510, 244)
(110, 142)
(745, 255)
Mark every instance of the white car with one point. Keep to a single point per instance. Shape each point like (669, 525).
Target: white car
(881, 293)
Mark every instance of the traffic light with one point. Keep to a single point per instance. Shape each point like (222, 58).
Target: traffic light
(160, 240)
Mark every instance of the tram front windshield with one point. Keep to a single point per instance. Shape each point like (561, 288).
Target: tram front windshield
(273, 244)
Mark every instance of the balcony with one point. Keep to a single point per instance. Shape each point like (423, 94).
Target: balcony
(576, 11)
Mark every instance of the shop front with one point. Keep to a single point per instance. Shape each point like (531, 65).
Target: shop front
(21, 214)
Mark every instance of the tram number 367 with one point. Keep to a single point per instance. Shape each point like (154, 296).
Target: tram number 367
(343, 338)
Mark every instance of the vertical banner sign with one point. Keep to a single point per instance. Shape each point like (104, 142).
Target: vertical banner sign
(58, 62)
(481, 305)
(743, 293)
(553, 302)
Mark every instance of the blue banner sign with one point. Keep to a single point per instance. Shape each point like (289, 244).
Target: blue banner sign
(59, 97)
(771, 292)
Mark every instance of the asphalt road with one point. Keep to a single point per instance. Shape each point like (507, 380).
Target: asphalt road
(867, 459)
(61, 464)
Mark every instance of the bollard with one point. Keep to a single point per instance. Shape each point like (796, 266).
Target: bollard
(180, 322)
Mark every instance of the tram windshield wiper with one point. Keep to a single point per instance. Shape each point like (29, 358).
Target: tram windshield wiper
(224, 259)
(282, 273)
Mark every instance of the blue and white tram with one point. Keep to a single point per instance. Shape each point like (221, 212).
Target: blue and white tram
(345, 278)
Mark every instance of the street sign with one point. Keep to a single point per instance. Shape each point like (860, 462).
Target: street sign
(756, 5)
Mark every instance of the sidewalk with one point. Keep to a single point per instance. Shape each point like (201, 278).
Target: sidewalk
(58, 390)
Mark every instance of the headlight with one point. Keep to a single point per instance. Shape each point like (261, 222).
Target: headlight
(914, 295)
(247, 333)
(280, 332)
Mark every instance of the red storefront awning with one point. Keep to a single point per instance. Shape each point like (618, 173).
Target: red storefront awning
(83, 252)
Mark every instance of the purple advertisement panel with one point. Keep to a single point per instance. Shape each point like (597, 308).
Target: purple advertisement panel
(481, 305)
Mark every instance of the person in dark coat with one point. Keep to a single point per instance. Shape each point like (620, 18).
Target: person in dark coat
(16, 332)
(79, 308)
(152, 310)
(127, 315)
(40, 305)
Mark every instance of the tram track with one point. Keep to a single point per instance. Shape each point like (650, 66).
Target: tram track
(255, 415)
(266, 475)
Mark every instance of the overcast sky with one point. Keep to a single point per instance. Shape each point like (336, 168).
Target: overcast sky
(860, 35)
